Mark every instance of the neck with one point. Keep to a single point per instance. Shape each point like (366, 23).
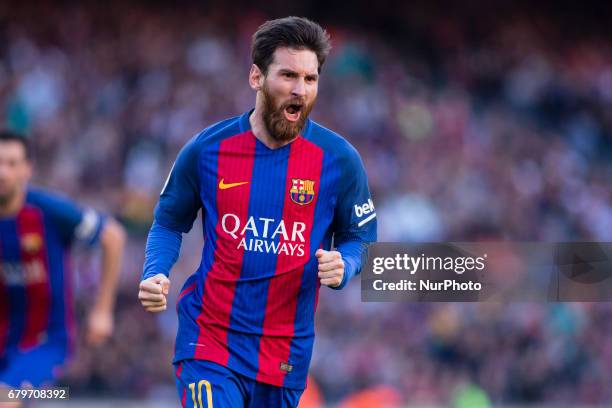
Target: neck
(13, 205)
(259, 129)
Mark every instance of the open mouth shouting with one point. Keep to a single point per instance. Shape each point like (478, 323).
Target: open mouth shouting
(293, 111)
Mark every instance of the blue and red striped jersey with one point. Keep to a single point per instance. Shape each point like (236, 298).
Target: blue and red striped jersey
(35, 284)
(250, 305)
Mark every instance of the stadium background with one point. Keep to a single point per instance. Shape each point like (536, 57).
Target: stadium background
(487, 121)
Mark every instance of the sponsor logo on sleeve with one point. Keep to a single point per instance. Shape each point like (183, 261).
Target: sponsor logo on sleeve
(88, 226)
(366, 210)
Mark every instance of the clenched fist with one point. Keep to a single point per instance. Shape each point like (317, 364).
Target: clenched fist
(152, 293)
(99, 326)
(331, 267)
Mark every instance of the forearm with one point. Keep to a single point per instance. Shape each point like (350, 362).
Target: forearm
(354, 254)
(112, 243)
(162, 250)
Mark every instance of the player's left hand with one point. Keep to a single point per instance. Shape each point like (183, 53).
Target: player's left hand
(331, 267)
(99, 327)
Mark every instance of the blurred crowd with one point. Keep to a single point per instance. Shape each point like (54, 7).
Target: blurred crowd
(469, 129)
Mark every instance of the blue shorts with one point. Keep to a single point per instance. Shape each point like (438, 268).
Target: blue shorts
(204, 384)
(37, 367)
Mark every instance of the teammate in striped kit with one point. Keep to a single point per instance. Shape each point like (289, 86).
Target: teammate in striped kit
(275, 189)
(37, 229)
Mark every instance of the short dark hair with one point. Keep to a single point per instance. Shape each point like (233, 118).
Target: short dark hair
(291, 32)
(9, 136)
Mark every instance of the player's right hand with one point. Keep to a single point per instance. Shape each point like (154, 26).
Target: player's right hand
(152, 293)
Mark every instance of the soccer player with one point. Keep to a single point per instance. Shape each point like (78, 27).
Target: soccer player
(37, 229)
(275, 189)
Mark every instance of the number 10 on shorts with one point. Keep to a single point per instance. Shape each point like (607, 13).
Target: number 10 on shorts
(198, 404)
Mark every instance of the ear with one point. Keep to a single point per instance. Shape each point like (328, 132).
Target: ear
(256, 78)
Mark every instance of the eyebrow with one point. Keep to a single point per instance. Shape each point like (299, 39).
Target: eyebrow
(286, 71)
(289, 71)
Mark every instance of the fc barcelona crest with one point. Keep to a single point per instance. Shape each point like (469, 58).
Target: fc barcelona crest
(302, 191)
(31, 243)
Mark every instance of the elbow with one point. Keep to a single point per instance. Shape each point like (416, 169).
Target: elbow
(113, 234)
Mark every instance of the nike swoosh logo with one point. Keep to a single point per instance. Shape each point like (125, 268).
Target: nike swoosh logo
(223, 186)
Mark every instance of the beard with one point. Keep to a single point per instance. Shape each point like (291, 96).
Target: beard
(7, 195)
(279, 127)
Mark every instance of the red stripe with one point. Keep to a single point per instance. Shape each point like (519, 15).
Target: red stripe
(186, 291)
(305, 162)
(30, 229)
(235, 165)
(178, 372)
(4, 310)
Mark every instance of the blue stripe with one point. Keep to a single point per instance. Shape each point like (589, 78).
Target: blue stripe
(266, 200)
(302, 342)
(190, 306)
(10, 252)
(208, 166)
(55, 256)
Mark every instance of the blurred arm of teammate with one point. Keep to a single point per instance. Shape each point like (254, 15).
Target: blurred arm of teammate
(336, 268)
(112, 242)
(162, 251)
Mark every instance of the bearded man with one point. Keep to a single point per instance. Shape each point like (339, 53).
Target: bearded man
(275, 189)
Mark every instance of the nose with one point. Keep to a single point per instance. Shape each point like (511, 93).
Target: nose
(300, 88)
